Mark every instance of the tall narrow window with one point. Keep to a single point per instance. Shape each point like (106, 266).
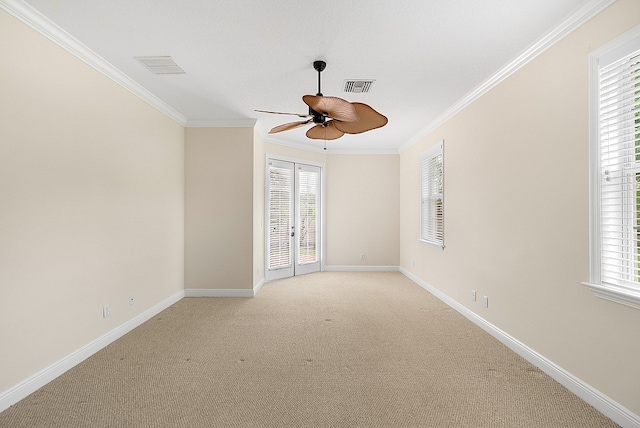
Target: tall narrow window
(432, 195)
(615, 170)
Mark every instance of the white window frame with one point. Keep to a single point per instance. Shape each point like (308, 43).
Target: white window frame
(431, 222)
(625, 289)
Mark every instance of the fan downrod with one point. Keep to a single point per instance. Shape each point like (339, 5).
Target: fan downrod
(318, 117)
(319, 65)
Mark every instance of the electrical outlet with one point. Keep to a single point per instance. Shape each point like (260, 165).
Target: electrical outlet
(473, 295)
(105, 311)
(485, 301)
(131, 299)
(361, 256)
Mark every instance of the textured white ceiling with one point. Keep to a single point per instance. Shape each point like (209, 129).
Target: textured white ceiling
(241, 55)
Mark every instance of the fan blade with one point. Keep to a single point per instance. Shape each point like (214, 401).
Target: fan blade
(335, 107)
(325, 132)
(279, 112)
(369, 119)
(288, 126)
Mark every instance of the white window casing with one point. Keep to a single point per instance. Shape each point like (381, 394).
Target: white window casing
(614, 137)
(432, 195)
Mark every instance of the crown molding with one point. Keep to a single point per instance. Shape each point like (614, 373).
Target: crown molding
(231, 123)
(267, 138)
(363, 151)
(30, 16)
(330, 151)
(581, 16)
(301, 146)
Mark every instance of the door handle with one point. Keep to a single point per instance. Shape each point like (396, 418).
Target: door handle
(293, 233)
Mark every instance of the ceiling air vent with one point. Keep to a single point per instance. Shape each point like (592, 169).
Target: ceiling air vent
(358, 86)
(160, 64)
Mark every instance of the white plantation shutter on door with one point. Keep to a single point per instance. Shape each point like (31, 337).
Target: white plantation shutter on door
(432, 195)
(280, 215)
(619, 136)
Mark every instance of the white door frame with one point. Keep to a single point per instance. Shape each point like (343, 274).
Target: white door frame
(273, 275)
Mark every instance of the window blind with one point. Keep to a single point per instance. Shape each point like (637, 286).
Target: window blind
(280, 216)
(432, 195)
(619, 136)
(309, 195)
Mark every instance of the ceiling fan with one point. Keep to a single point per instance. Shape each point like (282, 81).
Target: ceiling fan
(333, 117)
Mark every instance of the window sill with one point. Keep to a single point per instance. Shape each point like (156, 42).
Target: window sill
(432, 243)
(615, 294)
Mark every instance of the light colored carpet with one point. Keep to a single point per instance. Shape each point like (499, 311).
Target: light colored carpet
(329, 349)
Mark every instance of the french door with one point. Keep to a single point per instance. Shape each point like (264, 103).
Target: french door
(292, 219)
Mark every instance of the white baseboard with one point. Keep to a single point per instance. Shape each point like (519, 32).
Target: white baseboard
(357, 268)
(258, 286)
(224, 292)
(219, 292)
(610, 408)
(40, 379)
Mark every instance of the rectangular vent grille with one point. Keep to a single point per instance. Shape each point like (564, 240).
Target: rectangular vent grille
(160, 64)
(358, 86)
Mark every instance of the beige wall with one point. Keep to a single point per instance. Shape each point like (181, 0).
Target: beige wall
(258, 208)
(91, 203)
(516, 215)
(362, 210)
(219, 208)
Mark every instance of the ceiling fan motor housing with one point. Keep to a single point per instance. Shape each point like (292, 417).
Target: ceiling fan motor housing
(319, 118)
